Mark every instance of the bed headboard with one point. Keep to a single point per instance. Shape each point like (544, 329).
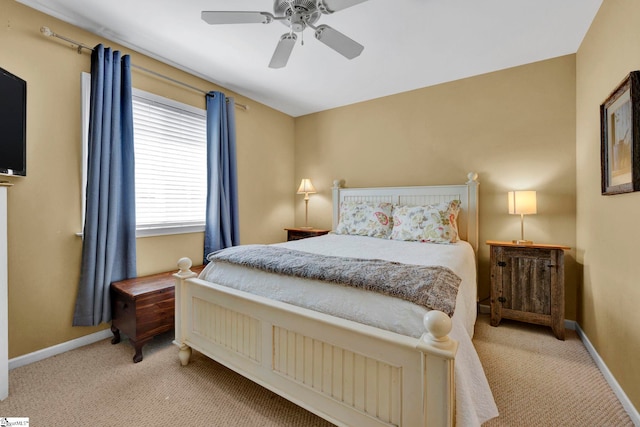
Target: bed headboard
(467, 193)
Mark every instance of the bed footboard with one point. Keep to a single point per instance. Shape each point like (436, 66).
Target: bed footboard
(345, 372)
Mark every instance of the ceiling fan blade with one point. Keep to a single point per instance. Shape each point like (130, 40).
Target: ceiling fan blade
(330, 6)
(220, 17)
(283, 50)
(338, 41)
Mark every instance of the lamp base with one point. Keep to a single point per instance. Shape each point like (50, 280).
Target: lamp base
(522, 242)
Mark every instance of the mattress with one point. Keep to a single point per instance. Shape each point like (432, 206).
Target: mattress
(474, 401)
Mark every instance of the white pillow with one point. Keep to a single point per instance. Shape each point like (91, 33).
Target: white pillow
(437, 223)
(365, 219)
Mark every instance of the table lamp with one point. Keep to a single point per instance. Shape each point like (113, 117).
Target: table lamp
(306, 188)
(522, 203)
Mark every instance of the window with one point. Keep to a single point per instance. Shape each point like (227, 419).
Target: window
(170, 162)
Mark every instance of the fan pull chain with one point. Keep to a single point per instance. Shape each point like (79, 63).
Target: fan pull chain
(301, 38)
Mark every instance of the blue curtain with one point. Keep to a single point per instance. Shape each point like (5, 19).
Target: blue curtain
(109, 244)
(221, 229)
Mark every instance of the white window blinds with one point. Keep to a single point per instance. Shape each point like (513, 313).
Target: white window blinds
(170, 164)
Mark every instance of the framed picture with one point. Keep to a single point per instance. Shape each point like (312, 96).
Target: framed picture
(620, 137)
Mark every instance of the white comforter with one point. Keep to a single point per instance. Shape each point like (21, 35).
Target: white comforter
(474, 400)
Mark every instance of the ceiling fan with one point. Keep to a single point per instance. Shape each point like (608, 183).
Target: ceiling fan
(297, 15)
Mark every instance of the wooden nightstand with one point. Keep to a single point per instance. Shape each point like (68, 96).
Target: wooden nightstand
(303, 233)
(527, 284)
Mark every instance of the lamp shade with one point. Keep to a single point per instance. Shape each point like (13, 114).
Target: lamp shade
(306, 186)
(522, 202)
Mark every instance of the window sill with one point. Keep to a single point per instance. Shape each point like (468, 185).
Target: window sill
(164, 231)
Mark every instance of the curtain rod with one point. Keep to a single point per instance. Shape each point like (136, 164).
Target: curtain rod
(47, 32)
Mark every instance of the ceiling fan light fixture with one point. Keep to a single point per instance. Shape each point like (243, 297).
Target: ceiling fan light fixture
(297, 23)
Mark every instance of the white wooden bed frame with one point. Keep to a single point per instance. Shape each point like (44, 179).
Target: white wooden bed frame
(345, 372)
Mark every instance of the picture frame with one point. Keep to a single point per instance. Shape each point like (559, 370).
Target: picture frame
(620, 137)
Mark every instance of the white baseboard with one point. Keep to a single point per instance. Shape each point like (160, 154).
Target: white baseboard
(626, 403)
(36, 356)
(570, 324)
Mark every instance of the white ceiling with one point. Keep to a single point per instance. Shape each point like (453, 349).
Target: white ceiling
(409, 44)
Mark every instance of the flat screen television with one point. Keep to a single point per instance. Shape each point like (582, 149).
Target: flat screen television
(13, 124)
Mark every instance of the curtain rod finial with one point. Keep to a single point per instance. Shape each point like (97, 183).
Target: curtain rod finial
(46, 31)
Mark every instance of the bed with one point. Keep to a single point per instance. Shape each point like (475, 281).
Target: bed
(353, 357)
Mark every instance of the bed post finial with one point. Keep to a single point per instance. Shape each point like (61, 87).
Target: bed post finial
(438, 325)
(184, 265)
(473, 178)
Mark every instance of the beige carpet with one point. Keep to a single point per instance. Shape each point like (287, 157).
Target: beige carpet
(537, 381)
(99, 386)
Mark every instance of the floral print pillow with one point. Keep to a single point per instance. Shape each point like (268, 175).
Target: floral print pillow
(436, 223)
(365, 219)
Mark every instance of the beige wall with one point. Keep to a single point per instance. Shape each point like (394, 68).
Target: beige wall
(607, 226)
(516, 128)
(44, 208)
